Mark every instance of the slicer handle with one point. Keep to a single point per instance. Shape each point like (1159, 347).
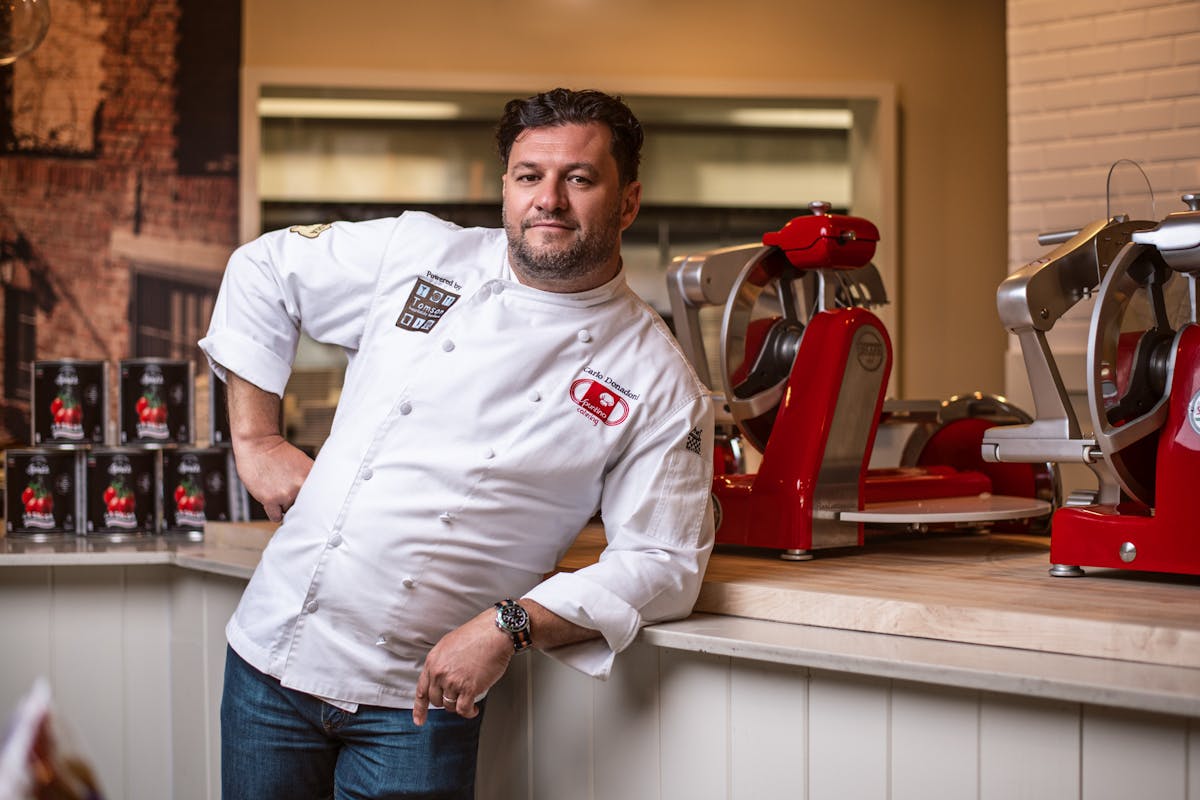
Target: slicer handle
(1056, 237)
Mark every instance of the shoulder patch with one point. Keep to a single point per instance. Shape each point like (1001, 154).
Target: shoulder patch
(693, 440)
(310, 231)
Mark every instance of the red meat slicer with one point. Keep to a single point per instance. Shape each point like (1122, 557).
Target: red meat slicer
(803, 367)
(1143, 391)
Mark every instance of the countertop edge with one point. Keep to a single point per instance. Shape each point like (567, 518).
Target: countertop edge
(1083, 679)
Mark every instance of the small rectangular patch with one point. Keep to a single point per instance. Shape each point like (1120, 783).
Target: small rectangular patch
(427, 303)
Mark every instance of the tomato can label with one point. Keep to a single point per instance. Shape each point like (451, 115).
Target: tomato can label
(156, 400)
(41, 492)
(70, 402)
(121, 491)
(196, 488)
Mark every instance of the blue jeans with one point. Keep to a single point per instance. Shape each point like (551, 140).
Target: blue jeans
(279, 744)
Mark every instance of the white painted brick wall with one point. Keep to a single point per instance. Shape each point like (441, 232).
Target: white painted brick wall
(1091, 82)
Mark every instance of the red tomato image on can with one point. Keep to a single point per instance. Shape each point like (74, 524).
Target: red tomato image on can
(599, 401)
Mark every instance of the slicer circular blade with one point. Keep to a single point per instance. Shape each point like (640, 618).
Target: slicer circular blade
(1130, 345)
(763, 321)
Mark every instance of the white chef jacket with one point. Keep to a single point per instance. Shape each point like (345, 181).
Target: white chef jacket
(482, 423)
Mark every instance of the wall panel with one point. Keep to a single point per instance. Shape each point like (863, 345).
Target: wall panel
(627, 738)
(848, 737)
(694, 697)
(1029, 749)
(1133, 755)
(934, 743)
(768, 732)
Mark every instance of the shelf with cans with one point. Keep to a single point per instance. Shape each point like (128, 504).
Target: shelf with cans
(141, 475)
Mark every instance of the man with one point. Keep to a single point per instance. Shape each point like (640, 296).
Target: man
(502, 387)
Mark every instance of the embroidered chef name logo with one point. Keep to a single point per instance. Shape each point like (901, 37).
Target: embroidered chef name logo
(310, 231)
(598, 402)
(693, 440)
(426, 304)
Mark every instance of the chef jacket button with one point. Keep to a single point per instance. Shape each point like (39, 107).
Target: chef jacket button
(312, 607)
(446, 517)
(335, 540)
(447, 345)
(534, 395)
(408, 583)
(584, 336)
(406, 408)
(489, 452)
(368, 473)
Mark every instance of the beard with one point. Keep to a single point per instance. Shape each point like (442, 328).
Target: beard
(575, 260)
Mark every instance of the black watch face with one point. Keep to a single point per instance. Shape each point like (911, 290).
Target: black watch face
(514, 617)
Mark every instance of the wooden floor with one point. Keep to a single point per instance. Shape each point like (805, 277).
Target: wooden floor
(977, 588)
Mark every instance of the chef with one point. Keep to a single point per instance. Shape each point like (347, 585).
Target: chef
(503, 386)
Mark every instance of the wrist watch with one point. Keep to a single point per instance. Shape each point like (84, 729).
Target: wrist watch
(513, 620)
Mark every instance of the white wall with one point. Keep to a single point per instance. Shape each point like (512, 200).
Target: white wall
(1089, 83)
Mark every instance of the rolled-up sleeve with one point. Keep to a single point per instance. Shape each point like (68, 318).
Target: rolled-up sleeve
(319, 280)
(659, 526)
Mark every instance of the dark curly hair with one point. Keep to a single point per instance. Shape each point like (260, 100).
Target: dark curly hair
(565, 107)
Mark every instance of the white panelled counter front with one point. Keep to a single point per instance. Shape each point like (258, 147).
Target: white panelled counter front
(918, 666)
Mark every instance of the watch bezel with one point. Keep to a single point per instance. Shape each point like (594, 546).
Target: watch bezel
(514, 618)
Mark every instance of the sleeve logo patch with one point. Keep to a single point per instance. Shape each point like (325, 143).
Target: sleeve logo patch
(426, 305)
(310, 231)
(598, 402)
(693, 440)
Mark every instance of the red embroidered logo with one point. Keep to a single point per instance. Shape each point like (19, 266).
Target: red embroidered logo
(600, 402)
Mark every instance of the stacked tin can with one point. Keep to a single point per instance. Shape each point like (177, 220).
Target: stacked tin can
(152, 480)
(43, 483)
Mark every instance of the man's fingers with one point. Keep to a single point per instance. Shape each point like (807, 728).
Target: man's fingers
(465, 707)
(274, 512)
(421, 699)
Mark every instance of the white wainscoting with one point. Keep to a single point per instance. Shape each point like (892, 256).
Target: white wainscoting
(135, 658)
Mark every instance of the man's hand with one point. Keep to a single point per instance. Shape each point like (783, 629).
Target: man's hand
(272, 469)
(469, 660)
(463, 665)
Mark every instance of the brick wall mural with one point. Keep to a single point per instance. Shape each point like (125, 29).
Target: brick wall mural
(118, 185)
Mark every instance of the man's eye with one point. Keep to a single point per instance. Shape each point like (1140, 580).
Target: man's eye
(527, 178)
(580, 180)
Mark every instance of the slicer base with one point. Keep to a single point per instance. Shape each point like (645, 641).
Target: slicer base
(1104, 537)
(976, 509)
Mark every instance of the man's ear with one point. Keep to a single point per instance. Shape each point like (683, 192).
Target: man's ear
(631, 203)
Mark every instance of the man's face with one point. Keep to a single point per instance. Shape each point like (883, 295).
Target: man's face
(564, 208)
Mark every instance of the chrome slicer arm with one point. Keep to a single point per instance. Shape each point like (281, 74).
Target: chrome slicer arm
(705, 279)
(1030, 302)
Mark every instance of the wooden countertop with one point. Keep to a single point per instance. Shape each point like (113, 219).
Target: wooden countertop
(976, 588)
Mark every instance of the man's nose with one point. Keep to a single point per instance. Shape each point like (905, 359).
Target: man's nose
(552, 196)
